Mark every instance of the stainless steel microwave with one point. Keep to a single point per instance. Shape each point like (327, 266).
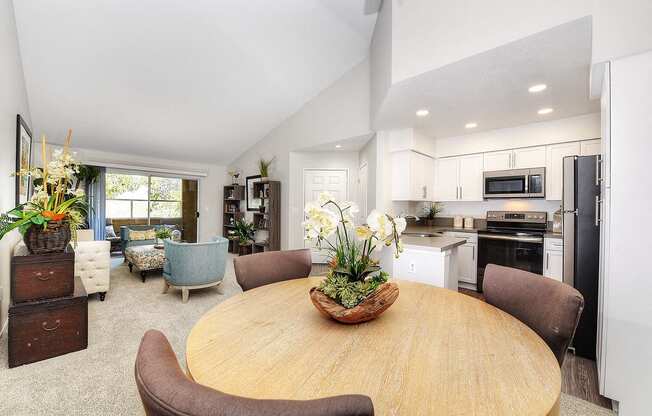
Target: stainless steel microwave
(515, 183)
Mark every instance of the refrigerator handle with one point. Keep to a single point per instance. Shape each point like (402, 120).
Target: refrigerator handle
(597, 210)
(598, 170)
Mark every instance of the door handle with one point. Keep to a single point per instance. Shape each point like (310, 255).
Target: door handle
(424, 192)
(547, 261)
(473, 253)
(461, 192)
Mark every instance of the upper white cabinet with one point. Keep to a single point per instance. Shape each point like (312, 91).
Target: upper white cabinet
(590, 147)
(446, 179)
(459, 178)
(411, 139)
(412, 176)
(554, 167)
(523, 158)
(470, 177)
(529, 157)
(498, 160)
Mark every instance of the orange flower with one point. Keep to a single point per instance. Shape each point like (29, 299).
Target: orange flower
(52, 216)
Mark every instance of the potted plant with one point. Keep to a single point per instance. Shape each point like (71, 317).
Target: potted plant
(244, 232)
(355, 289)
(431, 210)
(51, 218)
(263, 167)
(234, 174)
(163, 233)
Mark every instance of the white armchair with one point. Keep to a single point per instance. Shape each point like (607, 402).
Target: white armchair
(93, 266)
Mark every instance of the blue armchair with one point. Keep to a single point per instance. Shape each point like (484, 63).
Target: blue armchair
(194, 266)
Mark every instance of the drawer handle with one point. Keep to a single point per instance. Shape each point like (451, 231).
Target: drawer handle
(54, 328)
(42, 278)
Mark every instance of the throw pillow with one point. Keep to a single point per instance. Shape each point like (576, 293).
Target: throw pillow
(110, 232)
(142, 235)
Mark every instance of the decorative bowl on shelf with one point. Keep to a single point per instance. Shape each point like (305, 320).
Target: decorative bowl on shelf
(370, 308)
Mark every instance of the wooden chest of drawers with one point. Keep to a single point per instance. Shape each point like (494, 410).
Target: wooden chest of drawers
(42, 276)
(48, 328)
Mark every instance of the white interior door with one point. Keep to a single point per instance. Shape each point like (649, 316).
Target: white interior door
(316, 181)
(363, 183)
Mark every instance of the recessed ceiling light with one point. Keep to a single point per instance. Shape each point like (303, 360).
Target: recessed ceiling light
(423, 112)
(471, 125)
(537, 88)
(338, 146)
(545, 111)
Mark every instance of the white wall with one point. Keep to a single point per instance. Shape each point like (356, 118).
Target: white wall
(299, 161)
(546, 132)
(13, 100)
(429, 34)
(369, 156)
(339, 112)
(627, 287)
(380, 57)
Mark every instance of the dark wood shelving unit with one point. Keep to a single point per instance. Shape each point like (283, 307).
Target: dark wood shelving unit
(269, 220)
(234, 199)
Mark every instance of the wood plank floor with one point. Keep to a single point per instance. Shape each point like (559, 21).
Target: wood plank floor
(579, 376)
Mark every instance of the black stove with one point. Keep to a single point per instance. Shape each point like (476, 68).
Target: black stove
(512, 239)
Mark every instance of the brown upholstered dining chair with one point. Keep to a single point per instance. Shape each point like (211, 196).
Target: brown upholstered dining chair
(262, 269)
(551, 308)
(166, 391)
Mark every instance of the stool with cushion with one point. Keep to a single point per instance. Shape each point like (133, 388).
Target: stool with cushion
(551, 308)
(166, 391)
(260, 269)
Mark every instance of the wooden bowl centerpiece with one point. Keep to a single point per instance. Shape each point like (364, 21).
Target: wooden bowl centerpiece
(370, 308)
(355, 289)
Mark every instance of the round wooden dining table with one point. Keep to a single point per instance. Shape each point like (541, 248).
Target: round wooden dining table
(434, 352)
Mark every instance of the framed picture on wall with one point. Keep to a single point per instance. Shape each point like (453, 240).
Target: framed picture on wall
(23, 159)
(253, 202)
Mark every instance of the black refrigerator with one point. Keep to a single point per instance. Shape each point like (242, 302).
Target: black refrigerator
(581, 231)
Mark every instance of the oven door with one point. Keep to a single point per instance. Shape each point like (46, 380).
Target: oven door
(523, 252)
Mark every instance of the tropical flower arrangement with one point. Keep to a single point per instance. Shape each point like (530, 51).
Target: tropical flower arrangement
(353, 273)
(56, 208)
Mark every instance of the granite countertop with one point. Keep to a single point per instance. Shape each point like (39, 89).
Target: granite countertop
(429, 229)
(432, 243)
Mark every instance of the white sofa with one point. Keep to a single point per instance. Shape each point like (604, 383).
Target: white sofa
(92, 262)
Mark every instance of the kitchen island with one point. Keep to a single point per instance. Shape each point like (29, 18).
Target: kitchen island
(425, 259)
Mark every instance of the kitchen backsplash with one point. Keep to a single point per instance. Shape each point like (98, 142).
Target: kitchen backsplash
(478, 209)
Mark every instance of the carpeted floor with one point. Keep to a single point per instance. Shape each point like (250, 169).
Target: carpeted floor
(99, 380)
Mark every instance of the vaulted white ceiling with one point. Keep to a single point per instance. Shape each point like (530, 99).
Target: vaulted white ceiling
(197, 80)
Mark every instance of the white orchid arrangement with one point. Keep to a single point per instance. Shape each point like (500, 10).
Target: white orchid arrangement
(54, 198)
(353, 274)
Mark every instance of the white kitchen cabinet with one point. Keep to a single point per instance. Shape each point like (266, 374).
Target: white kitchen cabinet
(412, 176)
(498, 160)
(459, 178)
(590, 147)
(553, 258)
(522, 158)
(470, 177)
(467, 257)
(529, 157)
(446, 179)
(554, 167)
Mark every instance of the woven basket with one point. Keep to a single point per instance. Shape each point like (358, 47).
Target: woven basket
(53, 239)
